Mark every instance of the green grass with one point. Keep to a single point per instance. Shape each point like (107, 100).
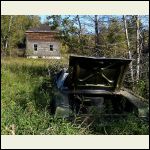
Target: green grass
(26, 91)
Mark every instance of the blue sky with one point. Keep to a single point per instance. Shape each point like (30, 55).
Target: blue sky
(144, 21)
(43, 17)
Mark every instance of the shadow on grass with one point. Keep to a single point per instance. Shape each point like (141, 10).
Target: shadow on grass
(118, 125)
(40, 96)
(43, 94)
(128, 125)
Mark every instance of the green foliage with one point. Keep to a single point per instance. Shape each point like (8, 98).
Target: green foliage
(26, 94)
(129, 125)
(115, 39)
(54, 21)
(140, 88)
(79, 41)
(13, 30)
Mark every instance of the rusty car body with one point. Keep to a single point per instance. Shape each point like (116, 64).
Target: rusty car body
(93, 85)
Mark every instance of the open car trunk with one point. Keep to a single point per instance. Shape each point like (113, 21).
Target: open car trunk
(93, 86)
(97, 73)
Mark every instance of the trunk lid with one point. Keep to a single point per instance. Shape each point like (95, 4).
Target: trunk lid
(97, 73)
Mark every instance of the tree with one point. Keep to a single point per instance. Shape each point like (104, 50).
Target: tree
(6, 23)
(138, 48)
(113, 38)
(13, 30)
(128, 45)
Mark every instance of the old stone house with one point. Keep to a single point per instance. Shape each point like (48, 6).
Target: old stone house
(42, 42)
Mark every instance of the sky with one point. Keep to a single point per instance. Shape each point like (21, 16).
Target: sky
(144, 21)
(43, 17)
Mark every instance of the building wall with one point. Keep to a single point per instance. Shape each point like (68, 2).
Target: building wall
(43, 41)
(43, 48)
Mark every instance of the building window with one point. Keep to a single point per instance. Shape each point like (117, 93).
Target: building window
(51, 47)
(35, 47)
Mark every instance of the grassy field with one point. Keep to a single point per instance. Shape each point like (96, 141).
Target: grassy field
(26, 92)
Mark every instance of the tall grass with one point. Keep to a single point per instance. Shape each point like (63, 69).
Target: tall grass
(26, 92)
(25, 99)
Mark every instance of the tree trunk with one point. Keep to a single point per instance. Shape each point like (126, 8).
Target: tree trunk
(9, 29)
(96, 31)
(6, 43)
(138, 49)
(80, 33)
(128, 45)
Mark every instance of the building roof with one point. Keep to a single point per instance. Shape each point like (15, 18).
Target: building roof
(42, 28)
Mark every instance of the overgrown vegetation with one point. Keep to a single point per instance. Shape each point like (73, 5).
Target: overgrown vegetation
(13, 29)
(129, 125)
(26, 91)
(25, 99)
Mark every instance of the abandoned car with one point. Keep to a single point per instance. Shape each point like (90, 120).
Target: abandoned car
(93, 85)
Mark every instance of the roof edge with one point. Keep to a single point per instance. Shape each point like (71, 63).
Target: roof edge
(42, 31)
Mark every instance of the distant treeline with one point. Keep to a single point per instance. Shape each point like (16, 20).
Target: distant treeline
(82, 34)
